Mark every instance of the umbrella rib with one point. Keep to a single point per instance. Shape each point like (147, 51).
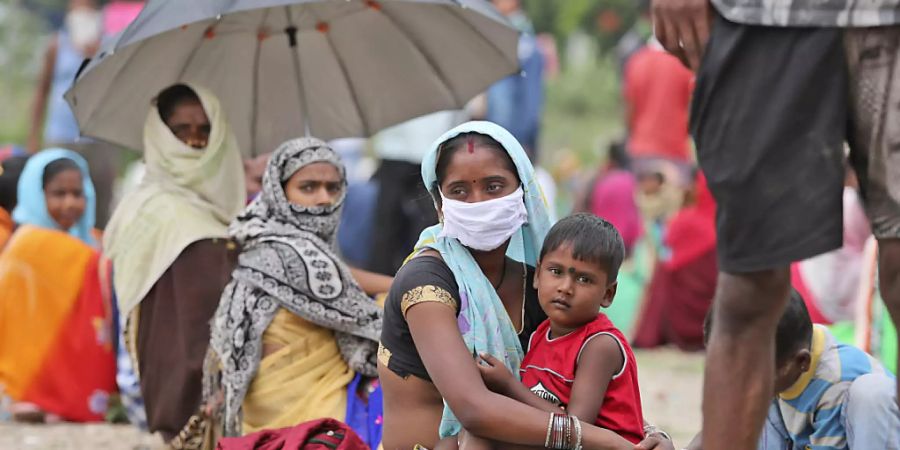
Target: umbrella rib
(292, 32)
(190, 59)
(137, 49)
(431, 63)
(499, 51)
(350, 86)
(254, 115)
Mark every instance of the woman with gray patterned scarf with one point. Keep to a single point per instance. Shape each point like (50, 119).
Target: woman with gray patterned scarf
(294, 332)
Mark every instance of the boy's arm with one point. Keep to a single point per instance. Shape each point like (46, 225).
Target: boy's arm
(498, 379)
(600, 360)
(520, 392)
(827, 425)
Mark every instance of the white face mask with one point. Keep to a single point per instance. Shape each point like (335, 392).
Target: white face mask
(84, 26)
(484, 225)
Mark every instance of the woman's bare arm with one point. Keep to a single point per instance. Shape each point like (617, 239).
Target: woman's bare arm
(452, 369)
(371, 283)
(39, 104)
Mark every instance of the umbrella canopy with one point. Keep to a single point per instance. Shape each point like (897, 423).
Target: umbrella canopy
(330, 68)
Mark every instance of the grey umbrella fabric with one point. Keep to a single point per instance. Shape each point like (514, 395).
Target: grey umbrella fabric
(282, 69)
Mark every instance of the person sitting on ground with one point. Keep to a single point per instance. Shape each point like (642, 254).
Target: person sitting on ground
(611, 195)
(578, 362)
(830, 396)
(294, 330)
(57, 320)
(470, 285)
(684, 282)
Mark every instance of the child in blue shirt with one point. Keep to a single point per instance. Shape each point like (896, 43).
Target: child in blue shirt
(831, 396)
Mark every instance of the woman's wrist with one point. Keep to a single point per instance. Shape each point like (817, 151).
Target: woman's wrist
(596, 438)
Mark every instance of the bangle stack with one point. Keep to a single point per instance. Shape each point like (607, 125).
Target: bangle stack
(561, 429)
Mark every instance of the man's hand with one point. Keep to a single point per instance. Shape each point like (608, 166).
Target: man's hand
(683, 27)
(496, 376)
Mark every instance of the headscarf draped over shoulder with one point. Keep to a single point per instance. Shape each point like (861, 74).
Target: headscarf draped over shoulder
(289, 261)
(483, 321)
(186, 195)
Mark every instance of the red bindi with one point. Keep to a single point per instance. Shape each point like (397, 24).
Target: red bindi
(470, 143)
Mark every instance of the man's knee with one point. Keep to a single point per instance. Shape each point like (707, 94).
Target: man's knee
(872, 394)
(752, 299)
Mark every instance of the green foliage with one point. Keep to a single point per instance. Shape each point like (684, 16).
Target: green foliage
(605, 20)
(22, 39)
(583, 113)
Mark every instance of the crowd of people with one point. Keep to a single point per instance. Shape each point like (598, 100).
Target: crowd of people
(439, 303)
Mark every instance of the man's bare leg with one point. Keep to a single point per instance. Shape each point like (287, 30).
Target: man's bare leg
(740, 361)
(889, 283)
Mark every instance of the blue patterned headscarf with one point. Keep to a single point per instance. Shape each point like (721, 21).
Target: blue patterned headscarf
(483, 321)
(32, 206)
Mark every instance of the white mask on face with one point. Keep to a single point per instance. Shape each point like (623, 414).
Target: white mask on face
(484, 225)
(84, 26)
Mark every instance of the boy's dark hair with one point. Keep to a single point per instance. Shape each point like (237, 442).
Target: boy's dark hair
(794, 332)
(618, 155)
(56, 167)
(9, 181)
(592, 239)
(171, 97)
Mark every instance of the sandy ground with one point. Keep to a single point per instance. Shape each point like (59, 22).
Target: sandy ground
(670, 387)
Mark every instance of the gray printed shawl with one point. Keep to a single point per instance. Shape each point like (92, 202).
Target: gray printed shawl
(288, 261)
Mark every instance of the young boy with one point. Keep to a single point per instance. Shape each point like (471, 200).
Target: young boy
(577, 359)
(830, 396)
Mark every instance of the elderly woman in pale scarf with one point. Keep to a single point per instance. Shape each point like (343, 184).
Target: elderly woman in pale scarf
(170, 248)
(295, 335)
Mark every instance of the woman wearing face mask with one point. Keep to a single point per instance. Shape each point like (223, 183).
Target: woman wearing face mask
(294, 329)
(468, 289)
(57, 356)
(169, 244)
(78, 39)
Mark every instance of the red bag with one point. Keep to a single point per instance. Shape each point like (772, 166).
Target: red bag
(321, 434)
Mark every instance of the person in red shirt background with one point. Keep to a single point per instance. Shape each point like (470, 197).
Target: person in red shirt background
(657, 92)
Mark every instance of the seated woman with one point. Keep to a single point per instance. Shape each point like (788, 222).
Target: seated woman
(57, 356)
(469, 290)
(681, 290)
(293, 329)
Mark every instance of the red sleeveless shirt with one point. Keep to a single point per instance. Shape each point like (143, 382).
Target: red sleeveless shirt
(549, 370)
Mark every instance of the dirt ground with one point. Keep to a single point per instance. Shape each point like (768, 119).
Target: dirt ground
(670, 387)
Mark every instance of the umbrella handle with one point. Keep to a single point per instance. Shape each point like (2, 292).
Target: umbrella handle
(81, 68)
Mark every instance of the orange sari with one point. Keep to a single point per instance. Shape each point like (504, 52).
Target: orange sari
(6, 227)
(56, 324)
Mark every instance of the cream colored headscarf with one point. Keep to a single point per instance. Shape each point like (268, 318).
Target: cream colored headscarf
(186, 195)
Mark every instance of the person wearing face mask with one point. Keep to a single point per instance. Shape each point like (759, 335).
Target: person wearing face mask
(469, 289)
(52, 122)
(168, 240)
(295, 332)
(76, 40)
(57, 320)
